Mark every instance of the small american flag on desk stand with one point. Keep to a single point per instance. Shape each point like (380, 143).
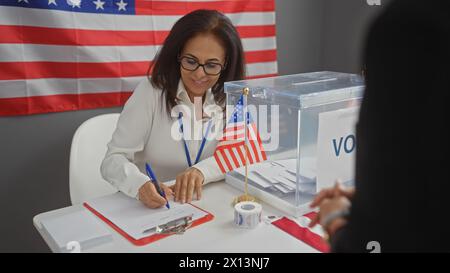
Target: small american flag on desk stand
(240, 143)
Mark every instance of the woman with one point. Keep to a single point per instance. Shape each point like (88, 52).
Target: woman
(202, 51)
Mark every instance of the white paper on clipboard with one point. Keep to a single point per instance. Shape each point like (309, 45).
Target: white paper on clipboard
(134, 218)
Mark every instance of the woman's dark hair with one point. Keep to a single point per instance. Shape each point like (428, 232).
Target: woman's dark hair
(166, 68)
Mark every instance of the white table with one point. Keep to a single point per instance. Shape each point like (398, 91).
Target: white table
(218, 235)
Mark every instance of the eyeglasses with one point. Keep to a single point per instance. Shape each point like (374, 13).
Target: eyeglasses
(191, 64)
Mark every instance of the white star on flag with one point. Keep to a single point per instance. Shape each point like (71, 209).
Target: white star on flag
(74, 3)
(52, 2)
(98, 4)
(26, 1)
(121, 5)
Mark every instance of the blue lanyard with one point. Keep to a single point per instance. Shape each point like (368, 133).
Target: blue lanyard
(186, 150)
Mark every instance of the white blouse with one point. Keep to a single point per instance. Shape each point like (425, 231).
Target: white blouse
(146, 133)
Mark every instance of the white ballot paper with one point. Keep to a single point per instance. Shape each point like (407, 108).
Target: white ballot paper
(308, 167)
(255, 177)
(134, 218)
(281, 175)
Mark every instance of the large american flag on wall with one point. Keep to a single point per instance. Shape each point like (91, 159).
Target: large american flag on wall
(60, 55)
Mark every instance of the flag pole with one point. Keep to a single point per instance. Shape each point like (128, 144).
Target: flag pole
(246, 196)
(245, 92)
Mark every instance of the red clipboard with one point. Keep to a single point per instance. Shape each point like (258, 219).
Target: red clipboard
(302, 233)
(152, 238)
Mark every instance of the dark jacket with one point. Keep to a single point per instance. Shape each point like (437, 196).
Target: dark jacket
(402, 182)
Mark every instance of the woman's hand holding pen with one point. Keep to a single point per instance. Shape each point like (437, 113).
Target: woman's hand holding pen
(150, 196)
(188, 182)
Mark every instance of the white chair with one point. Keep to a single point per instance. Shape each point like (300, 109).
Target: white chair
(86, 154)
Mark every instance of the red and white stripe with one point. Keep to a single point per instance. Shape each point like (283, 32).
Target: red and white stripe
(230, 151)
(298, 228)
(83, 60)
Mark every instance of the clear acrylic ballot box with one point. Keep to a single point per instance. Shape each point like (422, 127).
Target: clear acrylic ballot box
(306, 125)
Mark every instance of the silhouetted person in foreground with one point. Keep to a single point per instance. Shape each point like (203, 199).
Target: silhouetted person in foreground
(401, 197)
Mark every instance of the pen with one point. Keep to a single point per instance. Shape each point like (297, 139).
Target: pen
(155, 183)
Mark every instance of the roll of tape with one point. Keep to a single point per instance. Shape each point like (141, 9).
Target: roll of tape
(247, 214)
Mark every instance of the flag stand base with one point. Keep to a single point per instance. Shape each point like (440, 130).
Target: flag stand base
(243, 198)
